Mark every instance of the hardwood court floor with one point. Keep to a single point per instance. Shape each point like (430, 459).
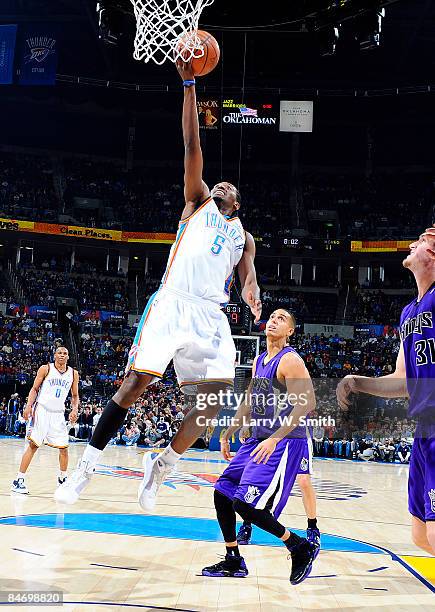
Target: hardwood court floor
(105, 554)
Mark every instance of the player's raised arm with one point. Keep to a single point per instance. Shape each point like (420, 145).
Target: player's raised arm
(39, 379)
(248, 278)
(195, 190)
(391, 385)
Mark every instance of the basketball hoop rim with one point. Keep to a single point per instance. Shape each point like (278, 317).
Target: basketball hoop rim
(164, 32)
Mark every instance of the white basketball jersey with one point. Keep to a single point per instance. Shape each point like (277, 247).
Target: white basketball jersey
(55, 388)
(205, 253)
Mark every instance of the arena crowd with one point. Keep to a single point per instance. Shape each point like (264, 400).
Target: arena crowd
(384, 205)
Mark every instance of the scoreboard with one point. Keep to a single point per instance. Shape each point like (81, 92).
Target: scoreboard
(238, 315)
(310, 244)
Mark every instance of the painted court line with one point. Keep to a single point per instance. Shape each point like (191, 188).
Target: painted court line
(29, 552)
(373, 589)
(325, 576)
(132, 569)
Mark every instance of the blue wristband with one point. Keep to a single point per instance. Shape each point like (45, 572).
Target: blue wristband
(189, 83)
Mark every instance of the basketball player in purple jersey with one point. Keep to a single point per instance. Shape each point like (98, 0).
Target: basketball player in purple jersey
(183, 321)
(414, 377)
(258, 481)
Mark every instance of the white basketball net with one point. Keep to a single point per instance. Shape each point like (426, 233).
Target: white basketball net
(165, 29)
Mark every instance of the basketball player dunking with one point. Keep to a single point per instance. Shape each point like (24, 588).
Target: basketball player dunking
(184, 321)
(259, 479)
(46, 409)
(414, 377)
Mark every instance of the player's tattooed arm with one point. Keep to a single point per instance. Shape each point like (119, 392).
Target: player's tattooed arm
(390, 386)
(39, 379)
(195, 190)
(74, 398)
(300, 392)
(248, 278)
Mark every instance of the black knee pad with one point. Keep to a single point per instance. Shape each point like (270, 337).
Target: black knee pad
(222, 503)
(243, 509)
(262, 518)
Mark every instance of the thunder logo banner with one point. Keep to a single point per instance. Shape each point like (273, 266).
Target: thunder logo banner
(37, 56)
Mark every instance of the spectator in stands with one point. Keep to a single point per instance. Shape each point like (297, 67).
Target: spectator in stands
(131, 434)
(403, 451)
(13, 411)
(85, 422)
(163, 427)
(389, 451)
(366, 452)
(86, 383)
(3, 416)
(151, 436)
(20, 426)
(96, 417)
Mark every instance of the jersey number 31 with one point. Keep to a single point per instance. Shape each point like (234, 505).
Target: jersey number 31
(425, 351)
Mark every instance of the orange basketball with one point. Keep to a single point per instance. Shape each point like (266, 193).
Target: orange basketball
(207, 62)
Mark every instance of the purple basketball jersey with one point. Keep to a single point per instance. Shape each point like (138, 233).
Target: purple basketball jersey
(269, 405)
(268, 485)
(418, 337)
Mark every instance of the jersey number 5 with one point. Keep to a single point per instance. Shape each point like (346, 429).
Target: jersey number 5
(217, 244)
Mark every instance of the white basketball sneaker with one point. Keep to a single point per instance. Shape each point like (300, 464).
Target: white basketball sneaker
(154, 472)
(69, 491)
(19, 486)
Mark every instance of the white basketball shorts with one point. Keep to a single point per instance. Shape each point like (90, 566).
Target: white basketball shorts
(194, 333)
(47, 428)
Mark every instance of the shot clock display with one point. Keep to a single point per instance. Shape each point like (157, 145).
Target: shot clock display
(238, 315)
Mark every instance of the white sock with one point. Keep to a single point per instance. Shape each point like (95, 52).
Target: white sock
(91, 455)
(62, 474)
(21, 475)
(169, 456)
